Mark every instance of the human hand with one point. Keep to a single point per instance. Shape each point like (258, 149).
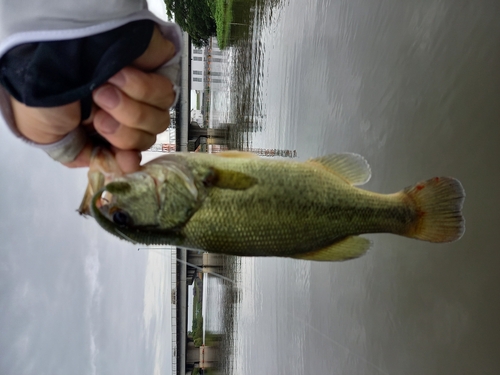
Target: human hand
(129, 111)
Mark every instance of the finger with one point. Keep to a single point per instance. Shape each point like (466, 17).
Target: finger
(120, 135)
(129, 112)
(159, 51)
(128, 161)
(153, 89)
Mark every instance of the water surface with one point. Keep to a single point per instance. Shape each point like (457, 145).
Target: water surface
(414, 87)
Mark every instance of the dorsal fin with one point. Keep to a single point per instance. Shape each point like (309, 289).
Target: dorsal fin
(351, 167)
(348, 248)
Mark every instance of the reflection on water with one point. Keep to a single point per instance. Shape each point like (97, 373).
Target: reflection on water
(220, 306)
(413, 87)
(247, 99)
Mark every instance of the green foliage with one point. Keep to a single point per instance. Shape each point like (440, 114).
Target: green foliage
(197, 329)
(212, 339)
(223, 17)
(233, 18)
(195, 17)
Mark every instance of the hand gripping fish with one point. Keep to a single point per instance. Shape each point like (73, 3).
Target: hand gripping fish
(237, 203)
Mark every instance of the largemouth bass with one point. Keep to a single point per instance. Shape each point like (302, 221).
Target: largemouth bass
(237, 203)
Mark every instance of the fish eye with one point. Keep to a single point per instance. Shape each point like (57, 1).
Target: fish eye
(121, 218)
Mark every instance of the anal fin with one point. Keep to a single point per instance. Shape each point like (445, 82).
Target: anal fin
(348, 248)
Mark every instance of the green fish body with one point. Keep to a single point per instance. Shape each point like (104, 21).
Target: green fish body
(236, 203)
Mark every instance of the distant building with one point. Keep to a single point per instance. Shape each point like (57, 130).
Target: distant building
(208, 73)
(217, 63)
(207, 66)
(198, 60)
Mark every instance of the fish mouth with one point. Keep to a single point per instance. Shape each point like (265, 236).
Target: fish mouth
(102, 170)
(106, 197)
(104, 203)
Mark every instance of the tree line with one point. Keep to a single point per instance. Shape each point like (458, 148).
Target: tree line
(196, 17)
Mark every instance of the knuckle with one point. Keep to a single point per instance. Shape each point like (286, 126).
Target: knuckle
(141, 91)
(138, 116)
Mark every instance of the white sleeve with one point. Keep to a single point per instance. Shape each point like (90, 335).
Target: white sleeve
(25, 21)
(24, 16)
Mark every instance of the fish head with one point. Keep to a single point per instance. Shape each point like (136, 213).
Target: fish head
(130, 201)
(161, 197)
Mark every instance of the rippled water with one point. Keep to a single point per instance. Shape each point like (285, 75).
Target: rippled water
(415, 88)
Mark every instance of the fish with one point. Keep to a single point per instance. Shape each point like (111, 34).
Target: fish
(240, 204)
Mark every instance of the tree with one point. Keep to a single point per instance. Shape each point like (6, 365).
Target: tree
(195, 17)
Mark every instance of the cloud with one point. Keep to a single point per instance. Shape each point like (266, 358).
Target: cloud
(93, 355)
(92, 267)
(157, 308)
(71, 295)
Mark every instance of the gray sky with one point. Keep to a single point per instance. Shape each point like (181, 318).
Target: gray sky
(72, 297)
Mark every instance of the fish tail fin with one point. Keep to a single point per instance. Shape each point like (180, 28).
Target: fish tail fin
(439, 204)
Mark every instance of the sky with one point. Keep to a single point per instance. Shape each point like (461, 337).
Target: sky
(74, 299)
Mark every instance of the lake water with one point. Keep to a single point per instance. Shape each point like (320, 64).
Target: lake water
(414, 87)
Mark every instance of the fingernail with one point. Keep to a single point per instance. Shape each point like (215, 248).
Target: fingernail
(118, 79)
(108, 125)
(107, 97)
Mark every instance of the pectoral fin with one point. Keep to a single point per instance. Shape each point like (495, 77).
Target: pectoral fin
(345, 249)
(226, 179)
(351, 167)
